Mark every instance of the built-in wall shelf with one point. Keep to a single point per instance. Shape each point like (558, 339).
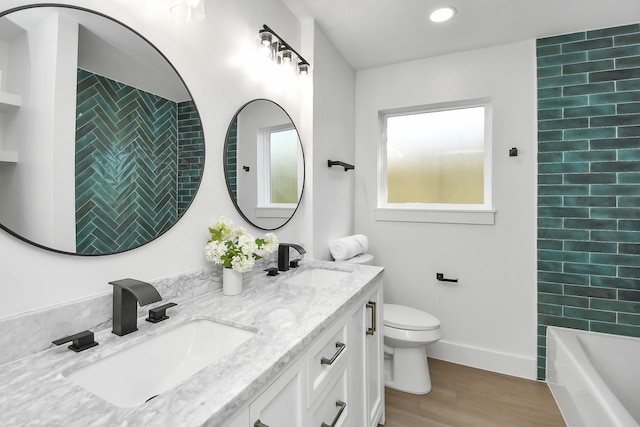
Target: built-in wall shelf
(9, 101)
(8, 156)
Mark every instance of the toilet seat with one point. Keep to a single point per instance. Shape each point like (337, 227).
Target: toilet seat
(403, 317)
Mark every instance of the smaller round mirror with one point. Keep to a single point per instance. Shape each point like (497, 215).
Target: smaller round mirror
(264, 164)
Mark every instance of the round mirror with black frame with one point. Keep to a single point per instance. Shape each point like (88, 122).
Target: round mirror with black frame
(264, 164)
(101, 143)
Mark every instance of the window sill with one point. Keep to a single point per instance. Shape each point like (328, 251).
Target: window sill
(446, 216)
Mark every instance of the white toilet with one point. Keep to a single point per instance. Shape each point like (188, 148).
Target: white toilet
(407, 332)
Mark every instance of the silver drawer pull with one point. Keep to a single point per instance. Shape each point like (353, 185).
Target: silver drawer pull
(340, 404)
(372, 329)
(340, 346)
(259, 424)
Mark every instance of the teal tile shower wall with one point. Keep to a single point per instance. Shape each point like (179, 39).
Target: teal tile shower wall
(232, 159)
(589, 183)
(125, 137)
(190, 154)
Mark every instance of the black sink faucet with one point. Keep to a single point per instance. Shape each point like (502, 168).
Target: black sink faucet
(283, 254)
(126, 295)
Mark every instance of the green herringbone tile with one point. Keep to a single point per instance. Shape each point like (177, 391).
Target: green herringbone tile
(126, 165)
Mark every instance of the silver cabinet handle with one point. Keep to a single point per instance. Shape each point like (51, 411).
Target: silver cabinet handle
(340, 404)
(340, 346)
(259, 424)
(372, 330)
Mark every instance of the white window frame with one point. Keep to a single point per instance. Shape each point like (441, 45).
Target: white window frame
(437, 212)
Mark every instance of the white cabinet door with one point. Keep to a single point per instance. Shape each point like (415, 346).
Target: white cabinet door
(374, 357)
(283, 404)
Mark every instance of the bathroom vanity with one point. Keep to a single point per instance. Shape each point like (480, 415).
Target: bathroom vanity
(311, 353)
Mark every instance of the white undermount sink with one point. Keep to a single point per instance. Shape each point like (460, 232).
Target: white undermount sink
(317, 277)
(134, 375)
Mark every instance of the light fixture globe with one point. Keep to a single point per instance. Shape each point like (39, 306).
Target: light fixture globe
(442, 14)
(287, 55)
(189, 10)
(303, 68)
(265, 38)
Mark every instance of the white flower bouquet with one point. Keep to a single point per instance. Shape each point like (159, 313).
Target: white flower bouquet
(235, 248)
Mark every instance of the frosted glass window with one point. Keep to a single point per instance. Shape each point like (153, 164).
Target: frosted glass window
(283, 170)
(436, 157)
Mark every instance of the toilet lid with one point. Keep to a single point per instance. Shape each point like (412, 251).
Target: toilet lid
(403, 317)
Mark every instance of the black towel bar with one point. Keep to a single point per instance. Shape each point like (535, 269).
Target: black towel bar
(346, 166)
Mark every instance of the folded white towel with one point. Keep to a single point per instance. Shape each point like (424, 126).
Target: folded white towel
(348, 247)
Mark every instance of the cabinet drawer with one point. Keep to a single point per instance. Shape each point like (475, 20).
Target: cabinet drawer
(326, 358)
(332, 409)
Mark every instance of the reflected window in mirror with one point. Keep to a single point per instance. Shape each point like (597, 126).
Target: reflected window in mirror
(279, 152)
(264, 164)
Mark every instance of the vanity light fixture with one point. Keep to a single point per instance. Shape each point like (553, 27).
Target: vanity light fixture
(442, 14)
(281, 52)
(189, 10)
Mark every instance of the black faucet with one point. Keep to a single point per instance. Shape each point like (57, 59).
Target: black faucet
(126, 294)
(283, 254)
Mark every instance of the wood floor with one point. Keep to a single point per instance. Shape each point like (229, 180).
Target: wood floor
(463, 396)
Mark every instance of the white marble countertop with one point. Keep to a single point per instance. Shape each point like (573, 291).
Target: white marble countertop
(287, 318)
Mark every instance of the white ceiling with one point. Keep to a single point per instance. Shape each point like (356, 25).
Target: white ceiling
(371, 33)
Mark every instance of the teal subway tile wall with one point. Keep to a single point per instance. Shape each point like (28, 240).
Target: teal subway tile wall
(589, 183)
(231, 160)
(126, 137)
(190, 154)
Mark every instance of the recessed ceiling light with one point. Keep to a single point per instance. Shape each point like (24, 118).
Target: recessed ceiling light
(442, 14)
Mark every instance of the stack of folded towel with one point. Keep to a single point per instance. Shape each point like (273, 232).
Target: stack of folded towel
(348, 247)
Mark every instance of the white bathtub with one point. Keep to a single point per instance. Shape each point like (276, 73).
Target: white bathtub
(594, 378)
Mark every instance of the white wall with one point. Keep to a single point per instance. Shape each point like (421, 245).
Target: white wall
(42, 131)
(488, 318)
(222, 77)
(63, 131)
(333, 138)
(146, 70)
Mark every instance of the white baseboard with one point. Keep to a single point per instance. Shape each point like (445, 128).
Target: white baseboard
(482, 358)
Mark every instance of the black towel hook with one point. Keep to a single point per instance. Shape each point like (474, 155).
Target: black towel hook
(346, 166)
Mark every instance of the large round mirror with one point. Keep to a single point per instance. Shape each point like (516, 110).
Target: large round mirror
(101, 144)
(264, 164)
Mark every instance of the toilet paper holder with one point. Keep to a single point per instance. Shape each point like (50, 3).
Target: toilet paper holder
(440, 277)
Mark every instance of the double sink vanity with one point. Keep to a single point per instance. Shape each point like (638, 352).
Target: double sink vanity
(303, 348)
